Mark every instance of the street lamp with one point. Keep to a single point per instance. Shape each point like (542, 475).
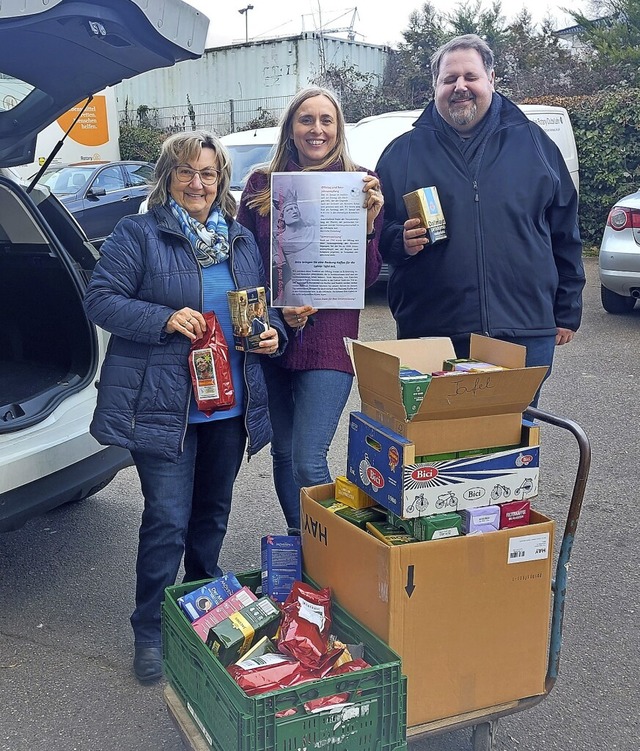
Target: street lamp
(245, 11)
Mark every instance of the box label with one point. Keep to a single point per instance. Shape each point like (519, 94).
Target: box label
(528, 548)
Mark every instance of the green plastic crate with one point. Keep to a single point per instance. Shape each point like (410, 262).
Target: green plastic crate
(232, 721)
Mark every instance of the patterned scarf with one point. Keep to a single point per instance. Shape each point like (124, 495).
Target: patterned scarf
(210, 242)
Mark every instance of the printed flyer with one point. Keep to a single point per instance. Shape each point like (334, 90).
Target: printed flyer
(318, 239)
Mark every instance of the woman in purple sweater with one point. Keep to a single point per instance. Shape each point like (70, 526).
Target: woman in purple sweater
(309, 385)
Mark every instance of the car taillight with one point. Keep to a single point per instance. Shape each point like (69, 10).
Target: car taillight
(623, 218)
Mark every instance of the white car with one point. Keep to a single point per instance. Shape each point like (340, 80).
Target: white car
(619, 258)
(248, 149)
(53, 55)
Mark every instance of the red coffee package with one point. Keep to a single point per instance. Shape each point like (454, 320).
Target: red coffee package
(211, 370)
(271, 672)
(305, 627)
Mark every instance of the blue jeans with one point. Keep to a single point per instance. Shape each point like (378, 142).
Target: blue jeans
(540, 351)
(305, 408)
(186, 509)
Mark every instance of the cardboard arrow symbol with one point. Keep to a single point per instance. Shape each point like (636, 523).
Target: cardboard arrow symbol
(410, 586)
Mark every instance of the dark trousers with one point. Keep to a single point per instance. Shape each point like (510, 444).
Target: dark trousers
(186, 509)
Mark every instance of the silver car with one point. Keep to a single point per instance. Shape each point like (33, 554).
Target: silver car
(619, 259)
(52, 55)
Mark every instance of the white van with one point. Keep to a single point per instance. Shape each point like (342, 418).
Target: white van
(369, 137)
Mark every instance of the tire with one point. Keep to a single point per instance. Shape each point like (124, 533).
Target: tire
(483, 736)
(614, 303)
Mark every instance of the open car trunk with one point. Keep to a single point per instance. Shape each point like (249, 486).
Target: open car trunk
(48, 349)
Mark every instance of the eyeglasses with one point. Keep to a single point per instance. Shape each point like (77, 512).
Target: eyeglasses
(186, 175)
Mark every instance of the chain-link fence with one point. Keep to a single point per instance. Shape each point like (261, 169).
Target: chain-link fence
(219, 117)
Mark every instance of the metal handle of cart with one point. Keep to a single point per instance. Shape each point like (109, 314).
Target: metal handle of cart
(483, 721)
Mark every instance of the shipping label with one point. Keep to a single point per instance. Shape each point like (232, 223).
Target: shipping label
(528, 548)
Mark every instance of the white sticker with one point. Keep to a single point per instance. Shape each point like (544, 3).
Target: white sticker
(268, 659)
(528, 548)
(448, 532)
(311, 612)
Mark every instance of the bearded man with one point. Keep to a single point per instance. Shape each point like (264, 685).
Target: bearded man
(511, 266)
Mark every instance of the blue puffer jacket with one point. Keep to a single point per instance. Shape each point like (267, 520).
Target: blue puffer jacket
(147, 271)
(512, 264)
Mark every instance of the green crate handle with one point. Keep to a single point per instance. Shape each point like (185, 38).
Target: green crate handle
(347, 685)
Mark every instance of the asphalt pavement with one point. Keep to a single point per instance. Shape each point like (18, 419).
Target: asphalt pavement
(67, 579)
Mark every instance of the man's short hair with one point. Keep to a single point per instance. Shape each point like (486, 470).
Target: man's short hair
(464, 42)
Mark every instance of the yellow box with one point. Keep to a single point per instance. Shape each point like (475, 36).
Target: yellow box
(351, 495)
(424, 204)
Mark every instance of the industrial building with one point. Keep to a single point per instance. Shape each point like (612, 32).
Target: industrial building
(230, 87)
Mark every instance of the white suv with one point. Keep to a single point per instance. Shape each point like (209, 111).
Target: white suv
(50, 354)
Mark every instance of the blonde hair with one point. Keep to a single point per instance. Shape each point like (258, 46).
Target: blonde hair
(182, 148)
(285, 148)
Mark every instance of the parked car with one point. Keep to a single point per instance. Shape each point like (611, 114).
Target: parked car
(99, 194)
(51, 56)
(247, 149)
(619, 260)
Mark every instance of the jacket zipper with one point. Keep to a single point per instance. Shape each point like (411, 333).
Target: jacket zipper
(484, 314)
(244, 361)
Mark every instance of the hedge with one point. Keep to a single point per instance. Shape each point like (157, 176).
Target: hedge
(607, 130)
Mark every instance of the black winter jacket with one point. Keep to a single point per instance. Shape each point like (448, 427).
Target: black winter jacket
(512, 263)
(147, 271)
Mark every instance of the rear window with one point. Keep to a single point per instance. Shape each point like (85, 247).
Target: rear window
(66, 180)
(12, 91)
(244, 159)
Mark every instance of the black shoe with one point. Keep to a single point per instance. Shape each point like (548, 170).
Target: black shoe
(147, 664)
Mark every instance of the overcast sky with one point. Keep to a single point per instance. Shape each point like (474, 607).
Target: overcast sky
(375, 22)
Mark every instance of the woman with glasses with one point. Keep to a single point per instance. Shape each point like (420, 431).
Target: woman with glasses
(158, 273)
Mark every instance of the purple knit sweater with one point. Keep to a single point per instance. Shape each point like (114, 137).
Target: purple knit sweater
(319, 346)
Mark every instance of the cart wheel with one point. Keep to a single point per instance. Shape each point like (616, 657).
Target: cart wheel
(483, 735)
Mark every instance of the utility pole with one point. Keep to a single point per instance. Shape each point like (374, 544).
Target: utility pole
(245, 12)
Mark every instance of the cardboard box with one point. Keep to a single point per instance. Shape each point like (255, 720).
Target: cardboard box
(383, 464)
(352, 495)
(427, 600)
(232, 637)
(358, 516)
(237, 601)
(458, 412)
(203, 599)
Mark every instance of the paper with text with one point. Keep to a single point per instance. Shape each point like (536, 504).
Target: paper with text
(318, 239)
